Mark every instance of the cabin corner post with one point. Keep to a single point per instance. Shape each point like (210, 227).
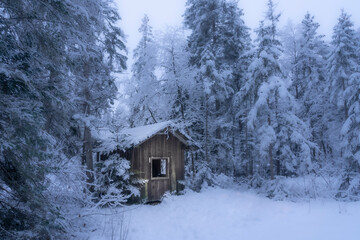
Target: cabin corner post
(145, 194)
(173, 178)
(193, 165)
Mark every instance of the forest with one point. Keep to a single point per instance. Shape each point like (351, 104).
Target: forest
(263, 106)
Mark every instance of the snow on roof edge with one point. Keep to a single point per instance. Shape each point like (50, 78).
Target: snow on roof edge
(130, 137)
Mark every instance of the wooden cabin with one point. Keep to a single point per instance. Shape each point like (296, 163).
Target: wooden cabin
(156, 153)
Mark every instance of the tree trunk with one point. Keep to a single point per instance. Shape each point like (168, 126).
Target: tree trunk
(297, 92)
(271, 162)
(346, 109)
(278, 167)
(270, 148)
(345, 103)
(233, 135)
(179, 90)
(193, 165)
(217, 110)
(88, 157)
(151, 114)
(247, 150)
(206, 130)
(48, 105)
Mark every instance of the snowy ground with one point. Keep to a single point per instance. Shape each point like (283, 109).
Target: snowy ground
(230, 214)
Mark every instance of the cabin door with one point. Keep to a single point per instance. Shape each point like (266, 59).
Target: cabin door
(160, 175)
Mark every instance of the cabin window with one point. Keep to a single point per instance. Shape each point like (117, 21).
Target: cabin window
(159, 167)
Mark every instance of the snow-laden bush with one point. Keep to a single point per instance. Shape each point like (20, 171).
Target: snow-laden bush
(114, 184)
(203, 177)
(349, 189)
(224, 181)
(256, 181)
(199, 177)
(300, 188)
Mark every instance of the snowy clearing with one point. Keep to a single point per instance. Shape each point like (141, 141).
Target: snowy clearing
(229, 214)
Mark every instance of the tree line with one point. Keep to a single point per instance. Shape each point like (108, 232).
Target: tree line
(57, 63)
(286, 103)
(283, 104)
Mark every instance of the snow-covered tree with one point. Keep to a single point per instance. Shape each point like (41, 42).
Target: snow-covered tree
(176, 74)
(343, 67)
(218, 40)
(311, 89)
(281, 137)
(202, 17)
(263, 65)
(344, 73)
(114, 183)
(351, 128)
(44, 47)
(145, 96)
(236, 59)
(290, 38)
(342, 61)
(304, 59)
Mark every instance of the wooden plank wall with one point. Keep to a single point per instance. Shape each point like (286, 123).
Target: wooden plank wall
(159, 146)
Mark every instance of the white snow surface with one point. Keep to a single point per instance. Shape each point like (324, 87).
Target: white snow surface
(217, 214)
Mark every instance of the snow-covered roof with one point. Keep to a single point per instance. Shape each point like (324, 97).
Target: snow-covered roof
(130, 137)
(135, 136)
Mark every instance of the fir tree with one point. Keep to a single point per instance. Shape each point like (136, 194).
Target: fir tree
(203, 18)
(282, 138)
(343, 67)
(342, 61)
(146, 86)
(311, 84)
(219, 39)
(344, 72)
(177, 75)
(44, 48)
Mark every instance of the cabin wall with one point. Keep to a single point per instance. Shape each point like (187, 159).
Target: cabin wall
(160, 145)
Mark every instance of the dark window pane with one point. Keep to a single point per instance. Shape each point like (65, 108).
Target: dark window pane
(159, 167)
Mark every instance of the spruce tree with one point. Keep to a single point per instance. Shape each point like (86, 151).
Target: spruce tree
(311, 85)
(342, 62)
(202, 18)
(146, 88)
(281, 137)
(218, 40)
(44, 47)
(176, 76)
(343, 67)
(236, 45)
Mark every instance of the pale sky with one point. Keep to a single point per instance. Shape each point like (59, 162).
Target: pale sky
(164, 13)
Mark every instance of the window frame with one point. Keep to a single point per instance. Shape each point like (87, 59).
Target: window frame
(167, 168)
